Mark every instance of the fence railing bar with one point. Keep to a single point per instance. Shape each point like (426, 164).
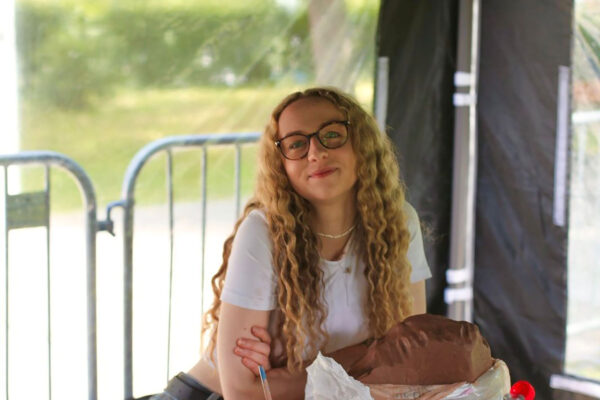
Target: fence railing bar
(170, 205)
(128, 299)
(91, 230)
(48, 275)
(204, 166)
(6, 275)
(142, 156)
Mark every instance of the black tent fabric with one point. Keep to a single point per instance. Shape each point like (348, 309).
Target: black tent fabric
(520, 288)
(520, 283)
(419, 38)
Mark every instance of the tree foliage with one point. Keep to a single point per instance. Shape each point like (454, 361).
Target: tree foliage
(72, 53)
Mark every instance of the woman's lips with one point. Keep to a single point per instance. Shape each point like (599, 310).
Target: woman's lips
(322, 173)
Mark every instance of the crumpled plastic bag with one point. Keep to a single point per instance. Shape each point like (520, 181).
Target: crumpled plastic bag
(493, 384)
(327, 380)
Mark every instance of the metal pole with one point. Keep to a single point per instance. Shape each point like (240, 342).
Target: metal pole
(128, 297)
(381, 94)
(6, 299)
(48, 280)
(170, 205)
(459, 294)
(204, 176)
(91, 229)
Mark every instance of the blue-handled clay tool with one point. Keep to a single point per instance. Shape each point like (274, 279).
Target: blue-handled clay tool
(265, 384)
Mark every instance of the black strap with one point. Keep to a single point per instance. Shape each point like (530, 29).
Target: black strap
(184, 387)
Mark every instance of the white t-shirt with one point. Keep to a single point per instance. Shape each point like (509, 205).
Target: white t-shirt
(251, 282)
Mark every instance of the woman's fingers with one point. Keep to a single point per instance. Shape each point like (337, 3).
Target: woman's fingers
(254, 345)
(252, 359)
(253, 351)
(262, 334)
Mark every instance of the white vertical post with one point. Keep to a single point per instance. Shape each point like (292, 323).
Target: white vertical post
(383, 72)
(562, 147)
(459, 294)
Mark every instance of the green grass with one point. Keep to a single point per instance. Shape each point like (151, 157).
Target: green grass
(104, 138)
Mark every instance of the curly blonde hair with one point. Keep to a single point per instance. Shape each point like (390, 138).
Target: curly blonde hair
(380, 232)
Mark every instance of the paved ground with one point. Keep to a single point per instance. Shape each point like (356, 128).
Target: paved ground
(28, 353)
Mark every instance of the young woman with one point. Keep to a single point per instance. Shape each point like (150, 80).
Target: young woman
(326, 255)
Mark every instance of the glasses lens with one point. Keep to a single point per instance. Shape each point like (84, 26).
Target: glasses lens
(333, 135)
(294, 147)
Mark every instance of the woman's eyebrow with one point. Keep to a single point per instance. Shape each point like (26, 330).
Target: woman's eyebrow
(331, 121)
(292, 133)
(300, 132)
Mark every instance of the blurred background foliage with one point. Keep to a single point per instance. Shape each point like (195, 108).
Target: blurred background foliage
(99, 79)
(73, 52)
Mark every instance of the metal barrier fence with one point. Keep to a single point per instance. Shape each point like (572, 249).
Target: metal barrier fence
(32, 209)
(166, 145)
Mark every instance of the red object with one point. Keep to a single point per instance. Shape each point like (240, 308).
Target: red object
(523, 388)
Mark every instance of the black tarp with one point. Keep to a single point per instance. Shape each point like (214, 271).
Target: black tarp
(419, 38)
(520, 284)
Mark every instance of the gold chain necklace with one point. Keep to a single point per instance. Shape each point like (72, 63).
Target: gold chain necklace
(341, 235)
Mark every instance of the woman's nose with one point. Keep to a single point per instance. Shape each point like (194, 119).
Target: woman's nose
(316, 150)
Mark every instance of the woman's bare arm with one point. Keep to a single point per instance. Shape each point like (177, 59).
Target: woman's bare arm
(417, 290)
(237, 381)
(291, 385)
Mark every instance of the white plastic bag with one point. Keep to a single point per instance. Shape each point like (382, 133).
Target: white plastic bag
(327, 380)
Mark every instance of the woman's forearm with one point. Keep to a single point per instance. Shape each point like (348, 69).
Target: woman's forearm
(283, 385)
(287, 385)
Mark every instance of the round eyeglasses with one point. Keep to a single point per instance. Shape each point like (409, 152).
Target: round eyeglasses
(331, 135)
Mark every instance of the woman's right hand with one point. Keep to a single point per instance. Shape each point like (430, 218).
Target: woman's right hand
(255, 352)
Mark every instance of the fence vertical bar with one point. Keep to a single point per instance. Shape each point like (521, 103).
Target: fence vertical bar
(170, 205)
(6, 274)
(48, 275)
(238, 171)
(127, 296)
(204, 177)
(91, 229)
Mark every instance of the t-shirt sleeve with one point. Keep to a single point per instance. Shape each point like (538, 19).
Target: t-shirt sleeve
(250, 281)
(416, 252)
